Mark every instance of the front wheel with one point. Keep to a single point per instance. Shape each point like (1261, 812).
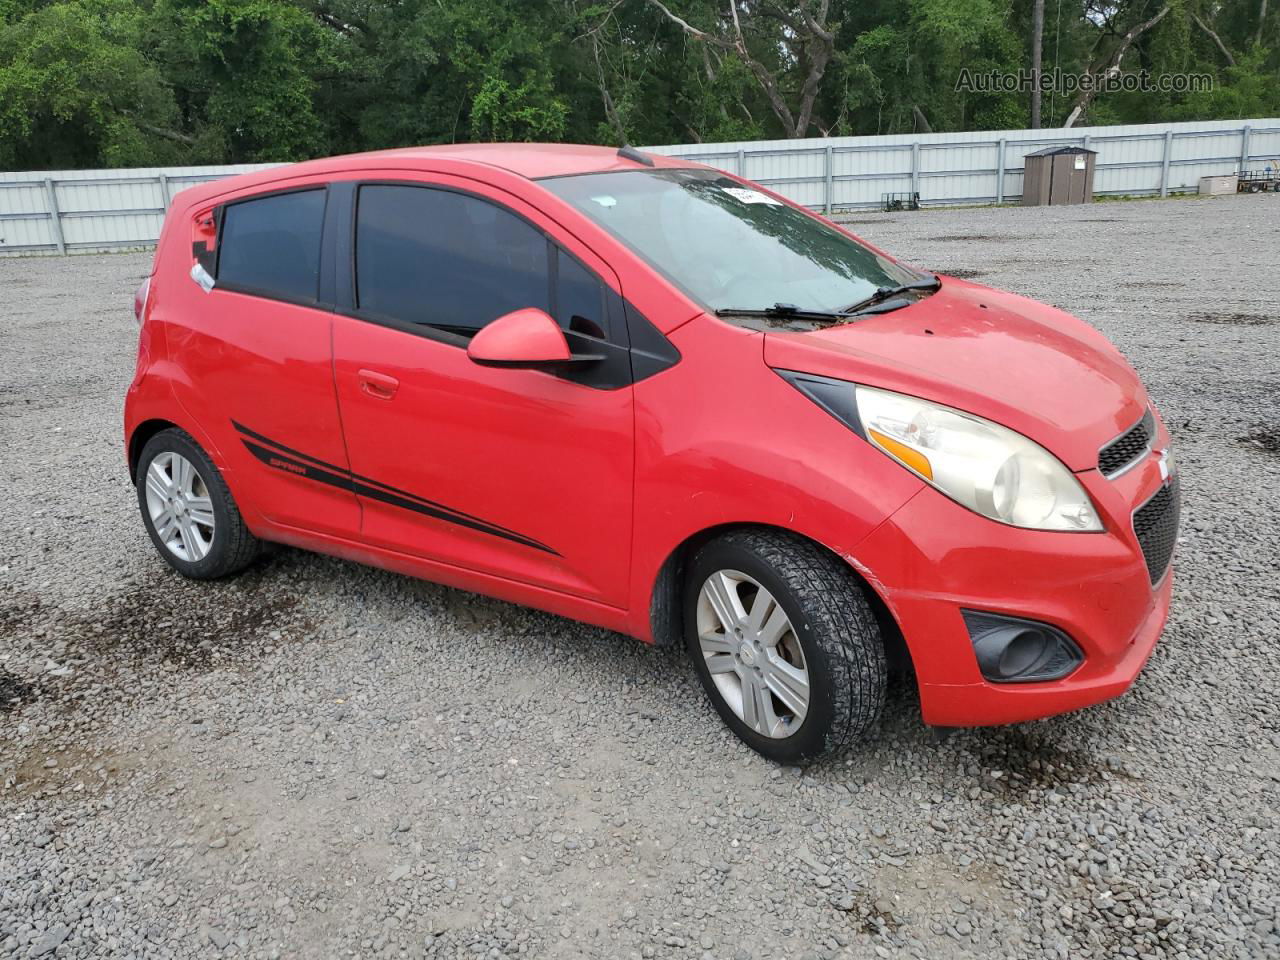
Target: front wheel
(785, 643)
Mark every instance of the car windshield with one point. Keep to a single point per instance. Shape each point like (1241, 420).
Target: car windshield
(727, 245)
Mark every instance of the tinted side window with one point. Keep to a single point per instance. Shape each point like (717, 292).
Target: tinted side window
(272, 245)
(579, 299)
(445, 259)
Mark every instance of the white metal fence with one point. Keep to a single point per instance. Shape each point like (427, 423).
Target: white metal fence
(841, 173)
(61, 211)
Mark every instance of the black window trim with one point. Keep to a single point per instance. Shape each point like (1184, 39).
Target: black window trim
(646, 349)
(617, 333)
(220, 213)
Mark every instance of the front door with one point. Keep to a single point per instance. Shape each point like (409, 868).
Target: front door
(521, 474)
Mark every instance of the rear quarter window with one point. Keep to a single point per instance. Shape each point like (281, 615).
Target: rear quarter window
(270, 246)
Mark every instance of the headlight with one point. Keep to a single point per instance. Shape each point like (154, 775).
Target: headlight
(982, 465)
(986, 467)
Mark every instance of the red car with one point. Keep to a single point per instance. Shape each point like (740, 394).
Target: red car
(651, 396)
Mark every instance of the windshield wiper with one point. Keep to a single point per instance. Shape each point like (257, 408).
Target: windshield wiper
(884, 300)
(930, 282)
(783, 311)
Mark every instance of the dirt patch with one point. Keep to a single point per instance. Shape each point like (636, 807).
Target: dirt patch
(981, 238)
(16, 693)
(1100, 220)
(52, 771)
(963, 273)
(1232, 319)
(1152, 284)
(185, 623)
(15, 613)
(868, 913)
(1017, 761)
(166, 621)
(1266, 440)
(969, 237)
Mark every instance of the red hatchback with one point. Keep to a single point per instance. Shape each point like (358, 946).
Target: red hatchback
(654, 397)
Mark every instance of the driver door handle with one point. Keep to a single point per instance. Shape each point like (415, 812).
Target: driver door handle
(378, 385)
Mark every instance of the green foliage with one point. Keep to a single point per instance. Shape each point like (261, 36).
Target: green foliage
(75, 89)
(145, 82)
(1248, 89)
(244, 74)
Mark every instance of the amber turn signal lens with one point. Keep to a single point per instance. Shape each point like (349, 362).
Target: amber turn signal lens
(914, 459)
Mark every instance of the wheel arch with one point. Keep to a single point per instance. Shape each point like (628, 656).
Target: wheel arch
(143, 432)
(666, 603)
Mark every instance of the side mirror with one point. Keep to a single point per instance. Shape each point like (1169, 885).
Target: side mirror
(522, 338)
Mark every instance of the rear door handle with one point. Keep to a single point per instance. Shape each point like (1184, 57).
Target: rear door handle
(378, 385)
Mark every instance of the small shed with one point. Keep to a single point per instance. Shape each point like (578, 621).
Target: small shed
(1058, 175)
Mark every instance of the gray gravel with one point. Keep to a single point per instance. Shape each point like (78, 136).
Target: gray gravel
(320, 760)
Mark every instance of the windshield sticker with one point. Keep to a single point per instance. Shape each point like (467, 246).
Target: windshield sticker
(605, 201)
(751, 196)
(201, 276)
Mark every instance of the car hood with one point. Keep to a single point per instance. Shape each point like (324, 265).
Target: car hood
(1023, 364)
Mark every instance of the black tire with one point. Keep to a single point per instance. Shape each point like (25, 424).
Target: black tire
(232, 547)
(844, 652)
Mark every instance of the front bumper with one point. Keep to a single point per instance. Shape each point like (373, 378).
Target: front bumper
(933, 558)
(984, 703)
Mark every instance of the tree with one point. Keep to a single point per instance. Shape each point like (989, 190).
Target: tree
(786, 46)
(1037, 50)
(1110, 61)
(76, 91)
(244, 75)
(143, 82)
(428, 71)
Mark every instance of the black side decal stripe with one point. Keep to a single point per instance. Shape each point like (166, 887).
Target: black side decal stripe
(280, 446)
(297, 454)
(289, 465)
(302, 465)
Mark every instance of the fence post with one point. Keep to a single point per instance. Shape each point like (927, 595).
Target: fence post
(1000, 172)
(164, 192)
(55, 217)
(915, 167)
(742, 162)
(1244, 148)
(828, 198)
(1084, 141)
(1164, 164)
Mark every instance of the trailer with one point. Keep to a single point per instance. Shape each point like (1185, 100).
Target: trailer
(1258, 181)
(890, 202)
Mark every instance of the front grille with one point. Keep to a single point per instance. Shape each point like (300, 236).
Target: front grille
(1128, 447)
(1156, 524)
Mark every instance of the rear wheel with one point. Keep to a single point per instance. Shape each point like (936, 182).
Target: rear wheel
(188, 510)
(785, 643)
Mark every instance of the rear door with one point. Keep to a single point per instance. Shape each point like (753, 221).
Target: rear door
(254, 343)
(521, 474)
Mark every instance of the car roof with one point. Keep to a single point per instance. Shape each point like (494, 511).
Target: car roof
(531, 161)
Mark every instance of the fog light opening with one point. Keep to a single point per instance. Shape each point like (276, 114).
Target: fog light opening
(1013, 650)
(1022, 653)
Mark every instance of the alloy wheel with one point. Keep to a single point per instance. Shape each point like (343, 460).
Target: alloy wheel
(179, 506)
(753, 654)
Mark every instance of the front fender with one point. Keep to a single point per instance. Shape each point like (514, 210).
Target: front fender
(751, 450)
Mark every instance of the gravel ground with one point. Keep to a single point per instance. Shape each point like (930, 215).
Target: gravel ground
(321, 760)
